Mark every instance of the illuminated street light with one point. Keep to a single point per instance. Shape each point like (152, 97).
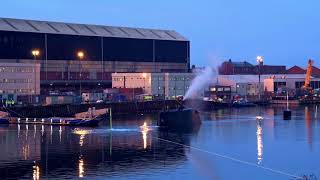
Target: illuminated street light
(35, 53)
(259, 59)
(80, 55)
(260, 63)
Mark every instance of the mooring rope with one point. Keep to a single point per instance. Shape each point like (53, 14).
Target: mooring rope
(233, 159)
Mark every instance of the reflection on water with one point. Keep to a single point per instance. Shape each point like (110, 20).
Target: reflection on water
(144, 131)
(133, 149)
(259, 142)
(36, 172)
(81, 167)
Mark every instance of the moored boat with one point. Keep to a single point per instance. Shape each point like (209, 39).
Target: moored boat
(180, 119)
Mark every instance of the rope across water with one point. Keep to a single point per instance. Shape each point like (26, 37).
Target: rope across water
(233, 159)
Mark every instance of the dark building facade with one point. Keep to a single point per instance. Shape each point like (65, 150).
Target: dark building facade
(106, 50)
(232, 68)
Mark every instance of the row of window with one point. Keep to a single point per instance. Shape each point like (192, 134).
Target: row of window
(179, 78)
(17, 69)
(18, 45)
(178, 88)
(13, 91)
(16, 81)
(313, 84)
(220, 89)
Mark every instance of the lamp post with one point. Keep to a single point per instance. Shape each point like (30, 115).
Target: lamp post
(35, 53)
(80, 55)
(260, 63)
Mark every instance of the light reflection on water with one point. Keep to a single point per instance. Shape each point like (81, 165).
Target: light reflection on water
(132, 149)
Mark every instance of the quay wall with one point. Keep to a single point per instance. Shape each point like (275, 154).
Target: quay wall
(120, 108)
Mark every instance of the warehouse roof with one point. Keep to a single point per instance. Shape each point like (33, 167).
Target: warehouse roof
(20, 25)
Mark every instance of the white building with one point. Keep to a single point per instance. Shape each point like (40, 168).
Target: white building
(273, 84)
(18, 79)
(168, 84)
(249, 84)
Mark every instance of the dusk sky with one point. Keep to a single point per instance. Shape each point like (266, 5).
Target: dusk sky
(282, 31)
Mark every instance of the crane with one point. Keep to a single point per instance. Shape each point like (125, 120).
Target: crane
(308, 74)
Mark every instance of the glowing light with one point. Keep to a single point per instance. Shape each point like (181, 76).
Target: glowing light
(27, 130)
(36, 172)
(144, 130)
(259, 118)
(60, 133)
(34, 131)
(259, 144)
(42, 130)
(18, 130)
(80, 55)
(144, 75)
(259, 59)
(81, 140)
(79, 131)
(81, 167)
(35, 52)
(26, 151)
(51, 131)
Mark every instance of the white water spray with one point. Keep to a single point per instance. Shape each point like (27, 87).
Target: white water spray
(201, 81)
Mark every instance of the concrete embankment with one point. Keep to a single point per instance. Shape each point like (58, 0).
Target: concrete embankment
(122, 108)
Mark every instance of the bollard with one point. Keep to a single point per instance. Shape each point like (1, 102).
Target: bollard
(287, 114)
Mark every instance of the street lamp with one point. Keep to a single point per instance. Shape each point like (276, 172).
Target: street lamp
(260, 63)
(35, 53)
(80, 55)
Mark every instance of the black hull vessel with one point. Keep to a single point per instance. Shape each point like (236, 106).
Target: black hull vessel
(182, 120)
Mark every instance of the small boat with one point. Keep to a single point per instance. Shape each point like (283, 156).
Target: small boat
(82, 122)
(242, 103)
(4, 121)
(75, 121)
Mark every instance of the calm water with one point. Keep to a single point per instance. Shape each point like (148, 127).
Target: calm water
(230, 144)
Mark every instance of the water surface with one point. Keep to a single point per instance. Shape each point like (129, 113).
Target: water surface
(230, 144)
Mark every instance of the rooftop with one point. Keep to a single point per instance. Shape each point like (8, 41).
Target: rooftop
(20, 25)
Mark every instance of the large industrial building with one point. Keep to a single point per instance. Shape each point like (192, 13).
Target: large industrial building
(73, 55)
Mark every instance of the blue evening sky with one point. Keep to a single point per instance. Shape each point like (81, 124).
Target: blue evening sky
(283, 31)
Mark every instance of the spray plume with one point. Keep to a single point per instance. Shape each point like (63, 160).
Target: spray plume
(201, 81)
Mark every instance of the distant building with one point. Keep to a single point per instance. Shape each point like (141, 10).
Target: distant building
(273, 84)
(19, 79)
(232, 68)
(104, 50)
(296, 70)
(299, 70)
(170, 85)
(218, 93)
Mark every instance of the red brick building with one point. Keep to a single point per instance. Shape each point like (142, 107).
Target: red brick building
(231, 68)
(296, 70)
(299, 70)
